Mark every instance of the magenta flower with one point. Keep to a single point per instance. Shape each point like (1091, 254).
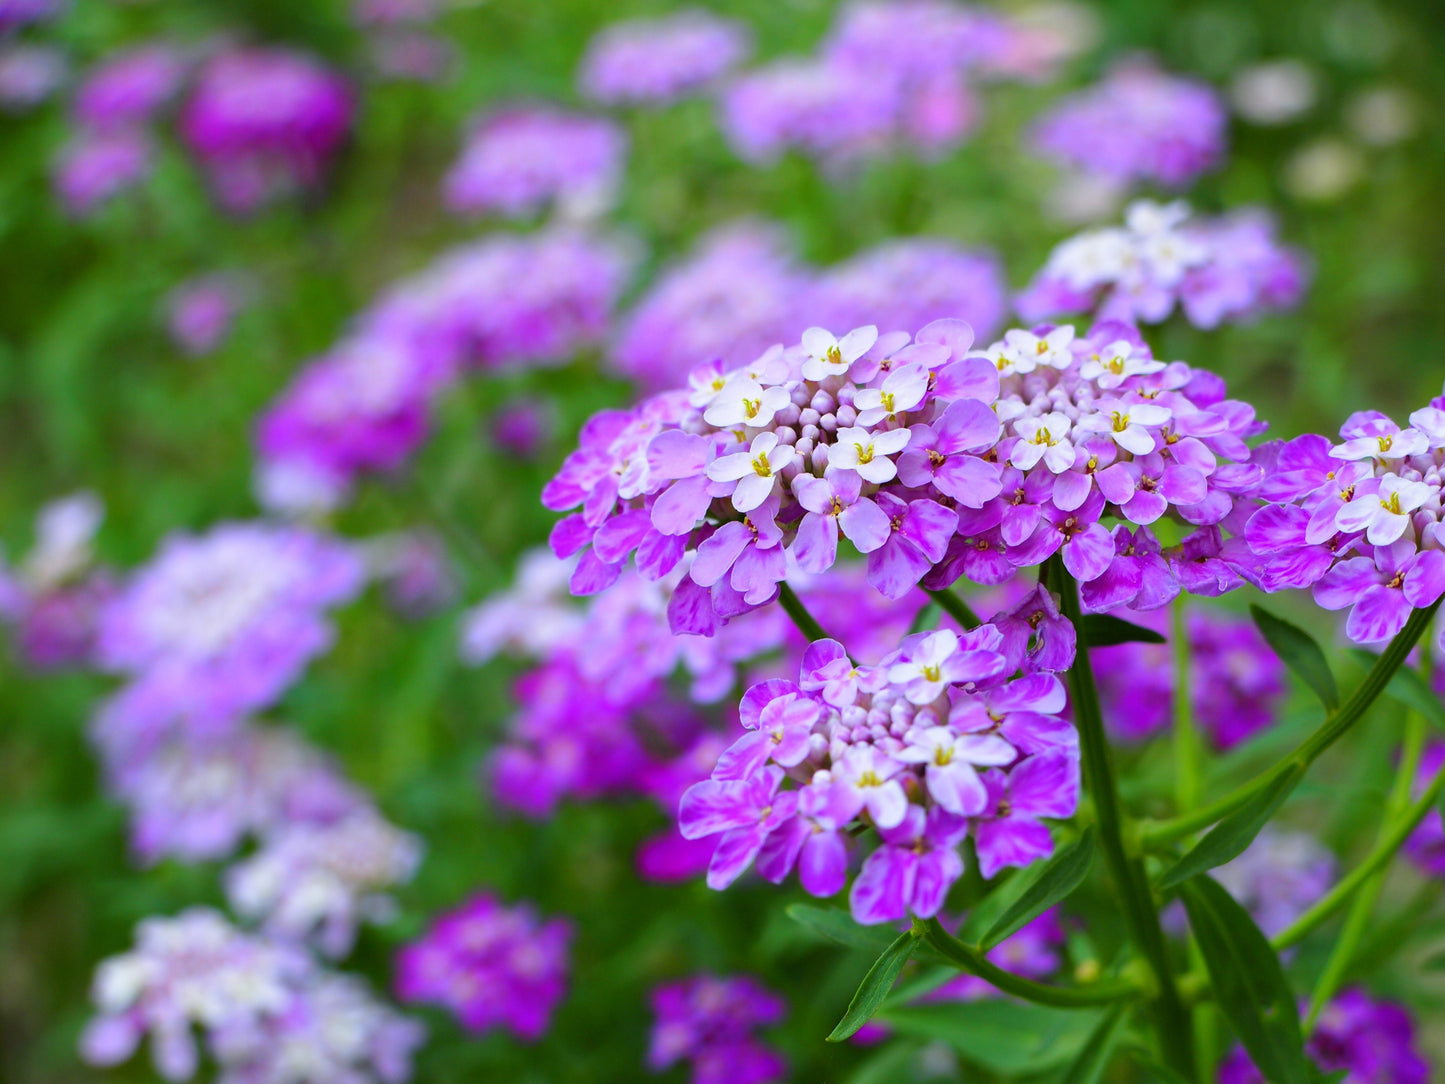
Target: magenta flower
(658, 61)
(913, 870)
(709, 1021)
(950, 761)
(1382, 590)
(490, 965)
(745, 811)
(918, 539)
(937, 454)
(1011, 833)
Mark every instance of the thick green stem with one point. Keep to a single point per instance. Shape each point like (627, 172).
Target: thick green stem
(955, 607)
(1162, 833)
(1377, 859)
(972, 960)
(794, 608)
(1141, 915)
(1357, 920)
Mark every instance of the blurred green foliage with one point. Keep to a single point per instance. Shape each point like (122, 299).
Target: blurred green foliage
(93, 396)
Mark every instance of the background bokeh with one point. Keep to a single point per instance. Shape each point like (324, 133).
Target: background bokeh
(93, 395)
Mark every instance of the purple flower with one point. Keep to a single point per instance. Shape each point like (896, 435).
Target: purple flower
(744, 810)
(1374, 1041)
(200, 313)
(833, 504)
(709, 1021)
(950, 761)
(265, 121)
(1426, 845)
(1138, 123)
(657, 61)
(129, 87)
(518, 161)
(95, 167)
(918, 539)
(490, 965)
(1279, 877)
(913, 870)
(1011, 833)
(29, 74)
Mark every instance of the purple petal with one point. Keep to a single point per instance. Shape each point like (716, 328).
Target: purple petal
(883, 886)
(823, 864)
(865, 525)
(1010, 842)
(1379, 615)
(735, 851)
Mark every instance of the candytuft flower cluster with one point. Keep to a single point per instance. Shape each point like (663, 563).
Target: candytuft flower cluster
(936, 742)
(935, 460)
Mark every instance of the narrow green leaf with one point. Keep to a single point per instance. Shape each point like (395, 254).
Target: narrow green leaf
(1106, 630)
(1056, 879)
(875, 986)
(1161, 1073)
(1249, 984)
(1000, 1035)
(1099, 1050)
(1229, 838)
(836, 925)
(1298, 650)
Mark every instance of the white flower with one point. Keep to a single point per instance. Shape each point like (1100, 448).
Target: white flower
(1028, 351)
(1116, 363)
(828, 356)
(856, 449)
(1045, 438)
(743, 401)
(755, 471)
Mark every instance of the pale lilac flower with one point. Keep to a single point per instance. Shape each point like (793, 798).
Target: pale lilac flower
(319, 882)
(902, 389)
(519, 161)
(950, 764)
(1044, 438)
(1011, 832)
(194, 970)
(29, 74)
(1128, 424)
(913, 870)
(833, 503)
(199, 312)
(95, 167)
(657, 61)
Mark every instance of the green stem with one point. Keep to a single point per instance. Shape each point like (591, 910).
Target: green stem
(1357, 919)
(1161, 833)
(972, 960)
(1141, 915)
(1188, 788)
(956, 608)
(794, 608)
(1187, 784)
(1377, 859)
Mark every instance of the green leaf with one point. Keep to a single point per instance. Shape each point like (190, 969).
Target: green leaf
(890, 1064)
(1000, 1035)
(1336, 1077)
(1230, 837)
(836, 925)
(875, 986)
(1249, 984)
(1161, 1073)
(1298, 650)
(1106, 630)
(926, 618)
(1055, 880)
(1099, 1050)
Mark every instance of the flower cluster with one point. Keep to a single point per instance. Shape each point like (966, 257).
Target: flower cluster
(934, 743)
(366, 405)
(658, 61)
(743, 290)
(94, 167)
(217, 626)
(709, 1021)
(936, 461)
(1359, 522)
(130, 87)
(54, 596)
(1222, 270)
(596, 716)
(490, 965)
(1138, 124)
(1236, 683)
(1374, 1041)
(200, 311)
(320, 881)
(401, 41)
(29, 74)
(197, 800)
(263, 122)
(888, 76)
(518, 161)
(267, 1013)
